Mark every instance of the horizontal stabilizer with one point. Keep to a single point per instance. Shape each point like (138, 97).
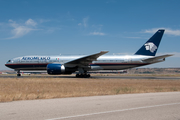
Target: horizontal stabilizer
(154, 59)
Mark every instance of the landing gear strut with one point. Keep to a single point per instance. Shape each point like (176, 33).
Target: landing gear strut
(83, 75)
(18, 73)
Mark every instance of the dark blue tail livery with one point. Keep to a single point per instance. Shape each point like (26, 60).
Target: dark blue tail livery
(151, 46)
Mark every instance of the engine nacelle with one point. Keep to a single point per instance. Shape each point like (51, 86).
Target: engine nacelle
(55, 69)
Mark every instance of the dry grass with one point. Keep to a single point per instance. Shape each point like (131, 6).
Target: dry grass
(12, 89)
(149, 75)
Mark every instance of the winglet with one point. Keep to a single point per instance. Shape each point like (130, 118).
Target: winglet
(151, 46)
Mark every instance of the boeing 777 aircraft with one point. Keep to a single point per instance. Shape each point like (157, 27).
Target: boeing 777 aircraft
(56, 65)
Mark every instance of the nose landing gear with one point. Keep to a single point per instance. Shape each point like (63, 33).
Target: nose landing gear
(18, 73)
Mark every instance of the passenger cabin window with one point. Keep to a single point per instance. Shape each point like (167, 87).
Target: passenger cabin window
(9, 60)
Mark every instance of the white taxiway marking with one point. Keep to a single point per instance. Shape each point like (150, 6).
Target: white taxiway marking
(112, 111)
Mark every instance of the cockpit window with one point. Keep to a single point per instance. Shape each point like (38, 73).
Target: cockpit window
(9, 60)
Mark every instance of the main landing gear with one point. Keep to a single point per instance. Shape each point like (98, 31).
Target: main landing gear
(83, 75)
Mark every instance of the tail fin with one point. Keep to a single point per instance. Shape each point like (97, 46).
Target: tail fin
(151, 46)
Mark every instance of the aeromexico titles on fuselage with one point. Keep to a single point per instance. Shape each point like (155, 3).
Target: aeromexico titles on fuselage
(35, 58)
(69, 64)
(29, 62)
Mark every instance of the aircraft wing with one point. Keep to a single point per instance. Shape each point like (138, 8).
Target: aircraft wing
(85, 61)
(157, 58)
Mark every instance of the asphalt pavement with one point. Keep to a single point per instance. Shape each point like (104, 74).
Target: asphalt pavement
(94, 76)
(145, 106)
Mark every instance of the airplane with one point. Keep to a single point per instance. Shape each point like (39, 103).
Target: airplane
(57, 65)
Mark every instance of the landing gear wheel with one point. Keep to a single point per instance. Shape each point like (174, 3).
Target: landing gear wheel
(18, 74)
(82, 75)
(77, 75)
(88, 75)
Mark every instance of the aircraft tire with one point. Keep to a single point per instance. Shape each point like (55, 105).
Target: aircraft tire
(77, 75)
(18, 75)
(88, 75)
(82, 75)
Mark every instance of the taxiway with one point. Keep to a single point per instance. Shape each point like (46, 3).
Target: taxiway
(98, 77)
(146, 106)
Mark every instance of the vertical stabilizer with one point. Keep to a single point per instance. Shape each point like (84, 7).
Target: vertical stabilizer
(151, 46)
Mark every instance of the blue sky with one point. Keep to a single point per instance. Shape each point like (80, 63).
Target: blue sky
(53, 27)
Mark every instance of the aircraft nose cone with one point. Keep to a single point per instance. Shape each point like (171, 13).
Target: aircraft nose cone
(7, 65)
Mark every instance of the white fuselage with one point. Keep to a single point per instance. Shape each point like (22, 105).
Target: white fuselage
(113, 62)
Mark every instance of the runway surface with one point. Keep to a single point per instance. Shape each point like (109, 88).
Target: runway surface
(104, 77)
(146, 106)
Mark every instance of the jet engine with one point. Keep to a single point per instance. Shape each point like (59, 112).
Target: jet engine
(55, 69)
